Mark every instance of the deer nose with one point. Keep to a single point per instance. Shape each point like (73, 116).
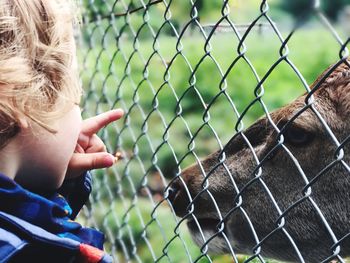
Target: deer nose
(178, 197)
(173, 190)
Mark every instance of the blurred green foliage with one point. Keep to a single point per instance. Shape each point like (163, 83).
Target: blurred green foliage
(137, 81)
(301, 8)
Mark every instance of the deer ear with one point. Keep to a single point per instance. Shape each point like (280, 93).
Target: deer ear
(339, 95)
(344, 99)
(336, 87)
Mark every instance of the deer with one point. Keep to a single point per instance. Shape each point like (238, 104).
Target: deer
(281, 188)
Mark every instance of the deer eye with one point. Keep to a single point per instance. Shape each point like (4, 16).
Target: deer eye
(297, 136)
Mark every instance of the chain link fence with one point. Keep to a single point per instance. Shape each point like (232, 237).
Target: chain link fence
(190, 75)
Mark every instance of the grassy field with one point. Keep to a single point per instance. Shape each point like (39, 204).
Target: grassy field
(181, 98)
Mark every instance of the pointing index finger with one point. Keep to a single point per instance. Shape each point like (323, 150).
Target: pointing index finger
(94, 124)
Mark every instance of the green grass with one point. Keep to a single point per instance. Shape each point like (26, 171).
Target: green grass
(153, 90)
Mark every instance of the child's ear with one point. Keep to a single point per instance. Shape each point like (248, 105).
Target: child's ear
(23, 122)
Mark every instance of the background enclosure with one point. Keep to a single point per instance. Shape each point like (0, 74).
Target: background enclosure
(189, 75)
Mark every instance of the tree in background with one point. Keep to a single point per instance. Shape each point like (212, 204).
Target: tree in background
(303, 8)
(333, 8)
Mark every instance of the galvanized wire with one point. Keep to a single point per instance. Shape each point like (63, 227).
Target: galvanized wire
(123, 65)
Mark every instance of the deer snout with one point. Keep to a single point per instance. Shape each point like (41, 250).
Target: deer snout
(183, 189)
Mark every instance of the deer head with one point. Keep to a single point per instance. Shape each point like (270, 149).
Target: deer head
(283, 182)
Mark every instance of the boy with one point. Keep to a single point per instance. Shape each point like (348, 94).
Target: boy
(45, 147)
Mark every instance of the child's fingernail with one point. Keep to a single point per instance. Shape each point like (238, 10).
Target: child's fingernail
(109, 160)
(119, 111)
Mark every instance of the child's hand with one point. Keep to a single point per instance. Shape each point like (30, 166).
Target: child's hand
(90, 152)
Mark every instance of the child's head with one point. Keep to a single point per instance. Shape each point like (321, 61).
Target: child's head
(38, 78)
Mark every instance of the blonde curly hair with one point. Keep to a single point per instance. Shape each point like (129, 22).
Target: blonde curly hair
(37, 76)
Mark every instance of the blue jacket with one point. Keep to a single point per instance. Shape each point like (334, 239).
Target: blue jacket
(40, 228)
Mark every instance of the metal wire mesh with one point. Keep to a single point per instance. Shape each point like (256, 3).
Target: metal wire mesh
(187, 84)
